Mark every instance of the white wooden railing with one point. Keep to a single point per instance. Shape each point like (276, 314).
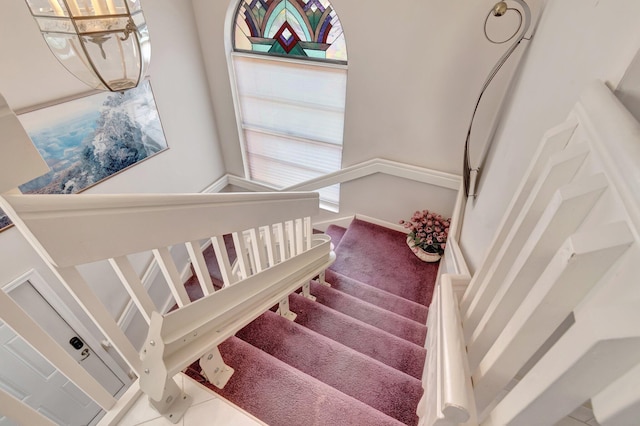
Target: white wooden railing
(550, 320)
(277, 254)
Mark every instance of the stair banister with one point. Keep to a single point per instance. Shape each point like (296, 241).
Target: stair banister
(62, 223)
(184, 335)
(72, 230)
(548, 320)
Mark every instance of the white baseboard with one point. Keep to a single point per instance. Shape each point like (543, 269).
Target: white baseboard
(341, 221)
(382, 223)
(217, 186)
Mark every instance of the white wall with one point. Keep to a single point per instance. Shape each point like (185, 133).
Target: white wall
(577, 41)
(415, 71)
(30, 75)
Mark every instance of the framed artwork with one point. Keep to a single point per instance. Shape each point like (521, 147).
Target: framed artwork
(4, 220)
(89, 139)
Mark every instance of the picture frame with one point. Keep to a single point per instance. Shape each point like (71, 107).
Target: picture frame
(92, 138)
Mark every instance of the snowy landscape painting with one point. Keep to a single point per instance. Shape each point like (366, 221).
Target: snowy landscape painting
(86, 140)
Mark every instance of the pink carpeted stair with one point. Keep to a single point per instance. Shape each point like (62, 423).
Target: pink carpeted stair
(354, 356)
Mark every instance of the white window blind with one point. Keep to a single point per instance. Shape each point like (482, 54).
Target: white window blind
(292, 120)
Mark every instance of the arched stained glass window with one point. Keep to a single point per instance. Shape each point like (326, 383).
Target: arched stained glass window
(290, 65)
(305, 28)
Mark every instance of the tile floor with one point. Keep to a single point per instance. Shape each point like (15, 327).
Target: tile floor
(207, 409)
(580, 417)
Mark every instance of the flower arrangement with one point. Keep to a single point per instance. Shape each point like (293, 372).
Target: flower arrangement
(428, 231)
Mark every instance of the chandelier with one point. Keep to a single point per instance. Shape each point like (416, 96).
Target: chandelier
(104, 43)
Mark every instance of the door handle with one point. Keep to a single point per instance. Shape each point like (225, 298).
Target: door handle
(85, 354)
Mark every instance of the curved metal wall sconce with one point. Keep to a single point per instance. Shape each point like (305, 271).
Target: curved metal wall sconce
(524, 32)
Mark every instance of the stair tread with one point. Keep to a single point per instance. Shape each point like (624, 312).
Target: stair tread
(366, 379)
(371, 314)
(336, 233)
(279, 394)
(364, 338)
(379, 257)
(378, 297)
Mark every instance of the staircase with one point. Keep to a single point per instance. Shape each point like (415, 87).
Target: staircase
(354, 356)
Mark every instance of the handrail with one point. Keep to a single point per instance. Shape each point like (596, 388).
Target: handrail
(360, 170)
(121, 223)
(272, 237)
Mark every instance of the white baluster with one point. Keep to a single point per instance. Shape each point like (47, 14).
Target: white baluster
(308, 233)
(282, 241)
(564, 214)
(583, 259)
(134, 286)
(554, 141)
(222, 256)
(560, 170)
(290, 235)
(171, 275)
(269, 245)
(257, 250)
(300, 244)
(242, 254)
(200, 267)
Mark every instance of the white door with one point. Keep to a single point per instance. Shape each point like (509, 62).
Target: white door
(31, 378)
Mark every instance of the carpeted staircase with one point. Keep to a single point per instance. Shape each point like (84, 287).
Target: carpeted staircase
(354, 356)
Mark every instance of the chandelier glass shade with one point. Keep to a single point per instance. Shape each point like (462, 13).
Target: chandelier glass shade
(104, 43)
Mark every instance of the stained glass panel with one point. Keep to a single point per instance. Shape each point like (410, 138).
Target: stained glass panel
(301, 28)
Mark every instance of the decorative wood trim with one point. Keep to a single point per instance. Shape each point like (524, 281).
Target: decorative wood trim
(217, 186)
(357, 171)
